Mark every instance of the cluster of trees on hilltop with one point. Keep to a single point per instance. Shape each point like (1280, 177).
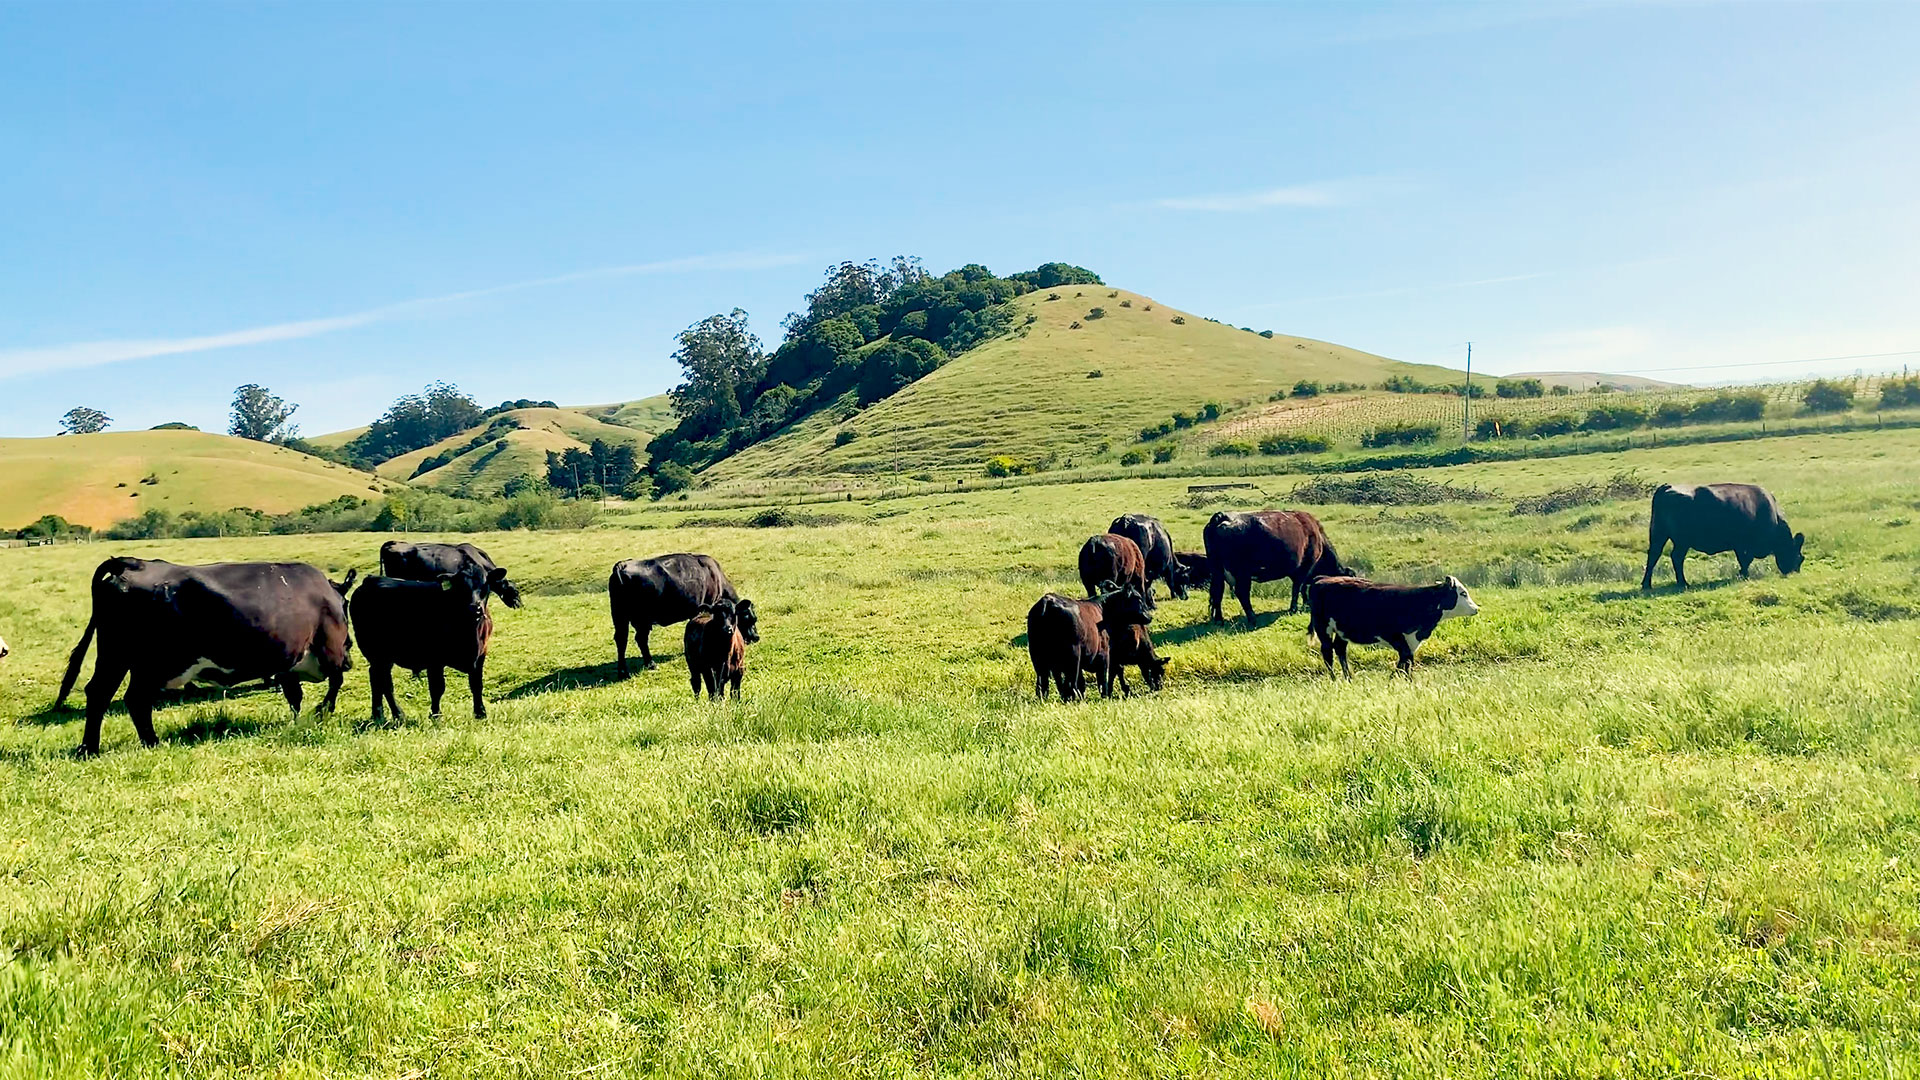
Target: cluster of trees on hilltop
(869, 329)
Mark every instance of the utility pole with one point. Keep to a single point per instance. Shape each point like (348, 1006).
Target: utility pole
(1466, 407)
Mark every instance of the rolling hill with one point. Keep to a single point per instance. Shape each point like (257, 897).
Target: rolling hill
(524, 450)
(97, 480)
(1033, 393)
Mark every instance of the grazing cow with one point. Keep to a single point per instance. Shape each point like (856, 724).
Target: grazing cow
(646, 593)
(1116, 559)
(1133, 645)
(165, 626)
(1067, 638)
(1265, 545)
(1192, 569)
(1351, 609)
(424, 625)
(1712, 518)
(716, 652)
(427, 562)
(1156, 547)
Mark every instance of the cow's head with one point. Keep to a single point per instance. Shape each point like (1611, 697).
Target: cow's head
(1460, 605)
(1123, 607)
(724, 616)
(466, 591)
(1190, 570)
(499, 586)
(1792, 554)
(749, 620)
(3, 648)
(1154, 670)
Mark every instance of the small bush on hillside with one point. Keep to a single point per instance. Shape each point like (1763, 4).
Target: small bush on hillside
(1236, 448)
(1096, 373)
(1293, 444)
(1133, 457)
(1669, 414)
(1210, 411)
(52, 527)
(1053, 296)
(1126, 303)
(671, 477)
(1096, 313)
(844, 436)
(1266, 333)
(1826, 396)
(1519, 388)
(1548, 426)
(1179, 320)
(1621, 417)
(1155, 431)
(1900, 393)
(1560, 390)
(1074, 325)
(1182, 420)
(1306, 388)
(1621, 485)
(1164, 454)
(1008, 465)
(1400, 435)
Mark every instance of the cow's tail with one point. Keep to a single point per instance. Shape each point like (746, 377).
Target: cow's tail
(102, 574)
(74, 659)
(343, 587)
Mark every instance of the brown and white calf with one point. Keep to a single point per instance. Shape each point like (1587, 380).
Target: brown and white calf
(1352, 609)
(716, 649)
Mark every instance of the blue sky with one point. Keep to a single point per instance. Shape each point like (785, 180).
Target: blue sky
(346, 201)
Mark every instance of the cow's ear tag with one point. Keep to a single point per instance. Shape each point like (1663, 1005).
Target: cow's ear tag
(446, 586)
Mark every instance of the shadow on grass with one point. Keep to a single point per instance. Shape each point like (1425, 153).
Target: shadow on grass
(1204, 628)
(52, 715)
(1608, 596)
(573, 678)
(214, 728)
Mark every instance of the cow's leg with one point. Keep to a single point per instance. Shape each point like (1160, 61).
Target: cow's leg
(436, 687)
(1405, 665)
(332, 700)
(393, 699)
(620, 643)
(295, 693)
(1656, 543)
(1340, 646)
(1216, 590)
(476, 685)
(693, 676)
(1326, 653)
(1680, 564)
(713, 684)
(643, 631)
(1243, 591)
(1120, 673)
(108, 673)
(1063, 683)
(141, 695)
(379, 684)
(1293, 600)
(1039, 682)
(737, 675)
(1746, 562)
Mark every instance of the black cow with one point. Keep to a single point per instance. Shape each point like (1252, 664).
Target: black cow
(428, 562)
(1116, 559)
(1156, 547)
(645, 593)
(1133, 645)
(424, 625)
(1265, 545)
(168, 626)
(1068, 638)
(1351, 609)
(716, 651)
(1192, 569)
(1712, 518)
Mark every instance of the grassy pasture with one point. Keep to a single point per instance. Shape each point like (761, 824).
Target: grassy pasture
(1599, 834)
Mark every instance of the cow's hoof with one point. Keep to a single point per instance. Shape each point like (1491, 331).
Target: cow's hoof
(82, 753)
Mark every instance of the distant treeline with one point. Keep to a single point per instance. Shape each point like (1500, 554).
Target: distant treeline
(868, 331)
(409, 511)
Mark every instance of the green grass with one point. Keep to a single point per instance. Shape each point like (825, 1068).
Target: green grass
(1028, 394)
(97, 480)
(1599, 834)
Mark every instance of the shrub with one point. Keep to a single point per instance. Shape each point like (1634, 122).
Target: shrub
(1621, 485)
(1614, 418)
(1560, 390)
(1210, 411)
(1096, 313)
(1074, 325)
(1519, 388)
(1008, 465)
(1164, 454)
(671, 477)
(1384, 489)
(1489, 427)
(1293, 444)
(1133, 457)
(1748, 405)
(1126, 303)
(1549, 426)
(1053, 296)
(1182, 420)
(1826, 396)
(1400, 435)
(844, 436)
(1096, 373)
(1900, 393)
(1669, 414)
(1179, 320)
(1236, 448)
(1306, 388)
(1155, 431)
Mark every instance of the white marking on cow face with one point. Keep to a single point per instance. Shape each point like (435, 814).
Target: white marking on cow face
(1462, 606)
(3, 648)
(196, 672)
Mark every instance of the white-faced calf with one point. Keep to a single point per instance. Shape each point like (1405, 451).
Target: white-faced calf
(1351, 609)
(424, 626)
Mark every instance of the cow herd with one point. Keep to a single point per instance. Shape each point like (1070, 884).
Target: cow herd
(164, 626)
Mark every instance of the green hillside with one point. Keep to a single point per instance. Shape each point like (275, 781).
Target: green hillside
(99, 479)
(1030, 394)
(485, 467)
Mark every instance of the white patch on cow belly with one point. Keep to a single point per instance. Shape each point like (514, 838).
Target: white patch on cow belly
(308, 669)
(195, 673)
(1333, 629)
(1413, 643)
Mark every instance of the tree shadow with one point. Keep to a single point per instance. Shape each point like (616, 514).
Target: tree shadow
(584, 677)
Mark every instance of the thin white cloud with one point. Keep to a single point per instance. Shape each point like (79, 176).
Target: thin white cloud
(1295, 195)
(85, 354)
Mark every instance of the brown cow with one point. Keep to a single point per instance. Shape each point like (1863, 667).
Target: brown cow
(1110, 557)
(1133, 645)
(715, 649)
(1067, 638)
(1266, 545)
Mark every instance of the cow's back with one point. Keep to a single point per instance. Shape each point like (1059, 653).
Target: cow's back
(1717, 517)
(669, 588)
(1152, 538)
